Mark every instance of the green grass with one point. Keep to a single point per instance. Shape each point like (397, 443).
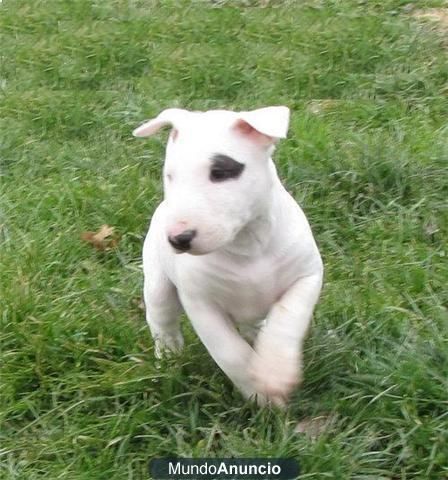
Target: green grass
(82, 396)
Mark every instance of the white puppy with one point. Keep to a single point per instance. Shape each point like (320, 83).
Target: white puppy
(232, 247)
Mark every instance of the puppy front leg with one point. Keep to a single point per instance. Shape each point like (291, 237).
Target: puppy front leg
(229, 350)
(162, 314)
(277, 366)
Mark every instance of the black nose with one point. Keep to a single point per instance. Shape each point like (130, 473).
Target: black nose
(183, 240)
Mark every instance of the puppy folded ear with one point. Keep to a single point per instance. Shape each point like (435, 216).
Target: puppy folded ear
(171, 116)
(269, 122)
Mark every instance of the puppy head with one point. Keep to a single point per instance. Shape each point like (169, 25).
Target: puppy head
(217, 172)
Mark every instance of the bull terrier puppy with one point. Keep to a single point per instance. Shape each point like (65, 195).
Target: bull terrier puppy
(232, 248)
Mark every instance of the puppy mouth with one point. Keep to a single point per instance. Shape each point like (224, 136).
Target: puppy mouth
(188, 250)
(179, 250)
(193, 252)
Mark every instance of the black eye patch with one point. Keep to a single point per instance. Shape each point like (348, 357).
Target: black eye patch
(224, 168)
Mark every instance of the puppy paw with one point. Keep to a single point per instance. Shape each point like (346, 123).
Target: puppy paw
(166, 345)
(275, 376)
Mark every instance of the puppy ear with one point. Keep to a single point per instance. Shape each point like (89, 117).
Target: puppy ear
(171, 116)
(269, 122)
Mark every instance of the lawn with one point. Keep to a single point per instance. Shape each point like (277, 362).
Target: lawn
(366, 157)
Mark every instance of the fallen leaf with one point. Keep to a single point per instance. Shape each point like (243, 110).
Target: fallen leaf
(431, 227)
(139, 303)
(437, 15)
(318, 106)
(104, 239)
(313, 427)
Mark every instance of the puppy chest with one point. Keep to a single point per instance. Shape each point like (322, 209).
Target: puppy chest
(249, 302)
(244, 291)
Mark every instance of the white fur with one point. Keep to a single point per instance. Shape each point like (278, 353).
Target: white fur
(253, 274)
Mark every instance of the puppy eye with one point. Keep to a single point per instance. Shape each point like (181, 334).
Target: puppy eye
(224, 168)
(218, 175)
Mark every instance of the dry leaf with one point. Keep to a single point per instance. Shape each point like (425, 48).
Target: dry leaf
(103, 239)
(139, 303)
(437, 15)
(318, 106)
(313, 427)
(431, 228)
